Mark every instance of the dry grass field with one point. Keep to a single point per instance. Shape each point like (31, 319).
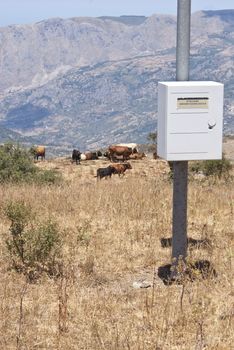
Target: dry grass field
(228, 147)
(110, 232)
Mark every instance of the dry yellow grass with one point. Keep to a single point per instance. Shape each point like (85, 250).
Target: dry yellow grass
(111, 233)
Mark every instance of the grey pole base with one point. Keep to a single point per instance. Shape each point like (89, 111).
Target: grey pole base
(179, 229)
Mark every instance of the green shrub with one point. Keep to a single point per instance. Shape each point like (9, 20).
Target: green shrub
(217, 168)
(34, 247)
(196, 167)
(47, 177)
(16, 165)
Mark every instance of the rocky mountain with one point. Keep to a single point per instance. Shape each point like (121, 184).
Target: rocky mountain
(88, 82)
(7, 135)
(33, 54)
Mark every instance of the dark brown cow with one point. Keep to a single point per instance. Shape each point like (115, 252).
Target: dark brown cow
(116, 151)
(76, 156)
(104, 172)
(120, 168)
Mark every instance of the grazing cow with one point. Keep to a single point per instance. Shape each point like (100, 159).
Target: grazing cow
(122, 151)
(38, 151)
(76, 156)
(137, 156)
(82, 156)
(120, 168)
(104, 172)
(90, 155)
(133, 146)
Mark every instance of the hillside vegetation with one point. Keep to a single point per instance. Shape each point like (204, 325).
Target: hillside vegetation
(16, 166)
(109, 233)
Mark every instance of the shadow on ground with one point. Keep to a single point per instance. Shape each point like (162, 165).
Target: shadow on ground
(196, 243)
(201, 269)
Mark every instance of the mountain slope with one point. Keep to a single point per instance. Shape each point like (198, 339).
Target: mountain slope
(32, 54)
(114, 96)
(112, 101)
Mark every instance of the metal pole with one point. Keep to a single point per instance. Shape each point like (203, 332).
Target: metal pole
(183, 39)
(180, 168)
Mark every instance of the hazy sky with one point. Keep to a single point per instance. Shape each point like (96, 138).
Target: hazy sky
(28, 11)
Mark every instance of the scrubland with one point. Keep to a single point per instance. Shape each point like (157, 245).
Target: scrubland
(110, 232)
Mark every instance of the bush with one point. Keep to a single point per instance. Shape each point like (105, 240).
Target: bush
(34, 248)
(16, 165)
(47, 177)
(217, 168)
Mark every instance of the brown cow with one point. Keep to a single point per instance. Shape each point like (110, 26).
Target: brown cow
(38, 151)
(116, 151)
(90, 155)
(136, 156)
(133, 146)
(120, 168)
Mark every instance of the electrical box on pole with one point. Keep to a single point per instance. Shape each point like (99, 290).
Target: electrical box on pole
(190, 120)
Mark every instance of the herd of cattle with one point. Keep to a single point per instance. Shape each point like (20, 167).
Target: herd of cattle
(116, 153)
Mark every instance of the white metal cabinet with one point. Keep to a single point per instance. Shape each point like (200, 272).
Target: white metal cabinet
(190, 120)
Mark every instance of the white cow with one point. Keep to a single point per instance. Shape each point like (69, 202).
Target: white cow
(133, 146)
(83, 156)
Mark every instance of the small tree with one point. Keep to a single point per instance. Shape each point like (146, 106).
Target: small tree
(152, 137)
